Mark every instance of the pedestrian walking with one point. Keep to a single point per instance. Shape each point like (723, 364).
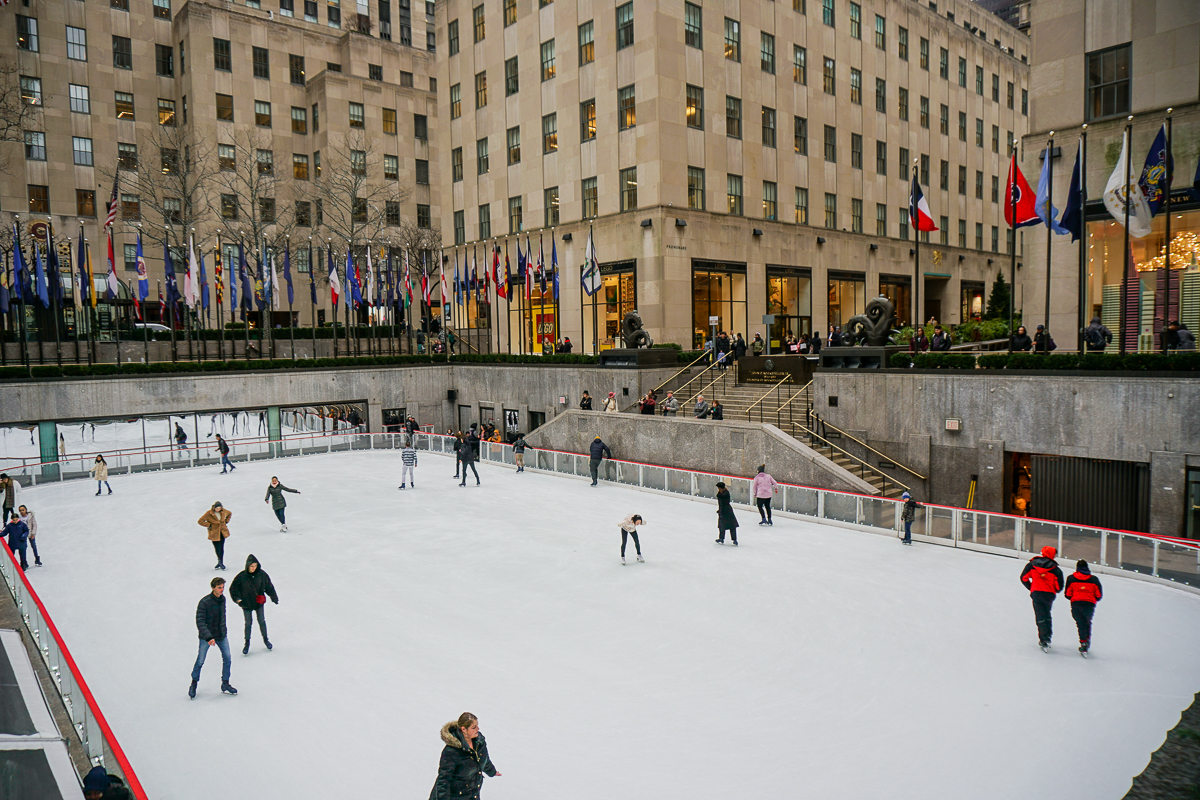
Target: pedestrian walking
(100, 471)
(278, 504)
(763, 488)
(17, 533)
(908, 513)
(1044, 580)
(756, 345)
(223, 449)
(211, 628)
(464, 761)
(648, 403)
(1084, 591)
(250, 590)
(1043, 342)
(8, 489)
(700, 411)
(408, 461)
(519, 452)
(1020, 341)
(610, 404)
(726, 521)
(597, 452)
(941, 340)
(629, 529)
(180, 437)
(919, 342)
(467, 455)
(815, 343)
(739, 347)
(31, 522)
(670, 405)
(216, 521)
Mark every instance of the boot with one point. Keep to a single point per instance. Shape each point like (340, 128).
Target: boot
(192, 690)
(246, 648)
(268, 644)
(227, 689)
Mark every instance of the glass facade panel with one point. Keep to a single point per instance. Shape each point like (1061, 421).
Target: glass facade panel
(718, 290)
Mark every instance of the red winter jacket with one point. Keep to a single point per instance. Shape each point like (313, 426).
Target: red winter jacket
(1042, 574)
(1083, 587)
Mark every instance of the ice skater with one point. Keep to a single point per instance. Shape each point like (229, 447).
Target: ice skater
(458, 440)
(216, 521)
(726, 521)
(464, 760)
(278, 504)
(100, 470)
(596, 453)
(1044, 580)
(764, 487)
(519, 453)
(17, 533)
(250, 590)
(223, 449)
(466, 454)
(629, 528)
(408, 459)
(1083, 590)
(31, 522)
(180, 437)
(907, 515)
(8, 490)
(211, 628)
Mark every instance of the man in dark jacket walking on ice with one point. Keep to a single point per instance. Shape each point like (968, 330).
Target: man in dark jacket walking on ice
(467, 455)
(1044, 580)
(210, 626)
(250, 590)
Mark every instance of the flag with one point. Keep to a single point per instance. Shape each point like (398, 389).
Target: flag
(232, 269)
(408, 293)
(1158, 173)
(445, 297)
(287, 273)
(1042, 205)
(379, 286)
(169, 272)
(1019, 194)
(4, 287)
(84, 288)
(501, 285)
(1117, 195)
(218, 275)
(1072, 216)
(391, 281)
(260, 297)
(91, 277)
(352, 278)
(335, 286)
(424, 280)
(312, 276)
(113, 283)
(244, 277)
(918, 209)
(189, 278)
(541, 267)
(554, 266)
(274, 291)
(528, 269)
(457, 284)
(162, 304)
(53, 277)
(508, 278)
(143, 282)
(474, 276)
(112, 204)
(591, 268)
(39, 277)
(203, 286)
(369, 285)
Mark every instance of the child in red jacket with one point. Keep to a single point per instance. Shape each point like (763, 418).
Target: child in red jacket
(1044, 580)
(1084, 591)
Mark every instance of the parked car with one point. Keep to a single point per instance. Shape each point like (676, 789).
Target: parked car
(153, 327)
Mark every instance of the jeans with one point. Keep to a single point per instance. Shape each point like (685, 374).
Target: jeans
(225, 462)
(33, 544)
(470, 464)
(908, 530)
(19, 552)
(636, 544)
(223, 645)
(279, 515)
(1042, 601)
(262, 623)
(764, 507)
(105, 483)
(183, 446)
(1081, 610)
(594, 466)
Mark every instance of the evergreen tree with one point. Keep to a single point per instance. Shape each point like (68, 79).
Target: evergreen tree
(998, 300)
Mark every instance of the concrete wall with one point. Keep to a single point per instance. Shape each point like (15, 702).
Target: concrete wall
(725, 447)
(1143, 419)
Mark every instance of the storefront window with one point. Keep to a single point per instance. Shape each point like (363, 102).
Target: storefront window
(847, 296)
(789, 299)
(619, 298)
(972, 301)
(898, 289)
(718, 291)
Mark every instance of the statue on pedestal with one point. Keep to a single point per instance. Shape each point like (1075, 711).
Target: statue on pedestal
(632, 332)
(873, 327)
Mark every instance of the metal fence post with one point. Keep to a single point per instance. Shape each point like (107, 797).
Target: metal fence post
(820, 504)
(1104, 548)
(1154, 568)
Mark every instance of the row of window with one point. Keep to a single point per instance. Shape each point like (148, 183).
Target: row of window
(587, 52)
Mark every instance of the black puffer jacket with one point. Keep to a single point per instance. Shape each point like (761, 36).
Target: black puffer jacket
(461, 769)
(210, 618)
(247, 586)
(599, 449)
(466, 451)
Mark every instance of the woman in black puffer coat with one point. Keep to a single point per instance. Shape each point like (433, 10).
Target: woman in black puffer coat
(464, 761)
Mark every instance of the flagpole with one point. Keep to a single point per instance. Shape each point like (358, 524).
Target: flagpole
(1012, 226)
(58, 291)
(537, 328)
(1049, 231)
(1083, 240)
(116, 309)
(74, 294)
(1167, 265)
(507, 299)
(1125, 273)
(84, 304)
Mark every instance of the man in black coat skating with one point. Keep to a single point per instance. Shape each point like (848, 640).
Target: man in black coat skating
(467, 455)
(250, 590)
(210, 626)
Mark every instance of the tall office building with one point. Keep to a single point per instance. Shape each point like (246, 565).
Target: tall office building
(730, 161)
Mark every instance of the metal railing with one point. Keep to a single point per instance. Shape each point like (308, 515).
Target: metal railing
(864, 469)
(722, 377)
(775, 388)
(99, 743)
(700, 358)
(858, 441)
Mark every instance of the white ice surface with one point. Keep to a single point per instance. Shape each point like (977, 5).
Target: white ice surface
(810, 662)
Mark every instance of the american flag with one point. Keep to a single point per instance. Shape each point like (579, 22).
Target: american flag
(112, 201)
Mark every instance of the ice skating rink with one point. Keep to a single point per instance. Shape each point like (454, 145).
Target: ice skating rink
(811, 661)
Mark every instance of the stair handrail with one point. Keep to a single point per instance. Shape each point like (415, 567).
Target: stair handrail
(721, 376)
(914, 473)
(700, 358)
(461, 339)
(851, 456)
(785, 379)
(787, 404)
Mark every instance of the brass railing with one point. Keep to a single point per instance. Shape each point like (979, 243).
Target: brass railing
(914, 473)
(774, 388)
(863, 467)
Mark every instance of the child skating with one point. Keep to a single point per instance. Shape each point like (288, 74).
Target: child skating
(409, 458)
(629, 528)
(1084, 591)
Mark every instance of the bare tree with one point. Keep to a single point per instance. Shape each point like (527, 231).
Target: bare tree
(20, 109)
(351, 207)
(251, 205)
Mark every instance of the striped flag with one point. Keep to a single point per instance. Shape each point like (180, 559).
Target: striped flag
(112, 200)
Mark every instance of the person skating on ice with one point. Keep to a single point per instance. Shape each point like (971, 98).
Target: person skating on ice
(278, 504)
(223, 449)
(596, 453)
(908, 513)
(764, 488)
(211, 628)
(31, 522)
(408, 459)
(628, 529)
(8, 492)
(466, 454)
(726, 521)
(17, 533)
(216, 521)
(1084, 591)
(457, 447)
(100, 471)
(180, 437)
(464, 761)
(250, 590)
(1044, 580)
(519, 452)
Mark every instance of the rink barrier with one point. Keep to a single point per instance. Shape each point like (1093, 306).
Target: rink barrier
(1155, 558)
(99, 743)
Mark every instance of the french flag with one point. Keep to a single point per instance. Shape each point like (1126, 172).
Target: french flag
(918, 209)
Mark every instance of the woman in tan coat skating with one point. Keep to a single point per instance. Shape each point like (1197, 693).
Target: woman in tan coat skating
(216, 520)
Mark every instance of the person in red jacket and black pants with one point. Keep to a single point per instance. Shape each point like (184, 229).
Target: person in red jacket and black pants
(1083, 590)
(1044, 580)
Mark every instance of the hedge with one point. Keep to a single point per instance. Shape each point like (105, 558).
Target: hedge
(1097, 362)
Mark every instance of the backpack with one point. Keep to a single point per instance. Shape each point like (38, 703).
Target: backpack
(1094, 337)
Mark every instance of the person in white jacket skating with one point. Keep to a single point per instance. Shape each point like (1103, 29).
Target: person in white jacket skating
(629, 528)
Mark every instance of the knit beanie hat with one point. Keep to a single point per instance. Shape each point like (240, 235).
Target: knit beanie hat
(1049, 552)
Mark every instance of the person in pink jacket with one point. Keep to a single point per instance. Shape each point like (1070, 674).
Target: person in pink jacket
(764, 487)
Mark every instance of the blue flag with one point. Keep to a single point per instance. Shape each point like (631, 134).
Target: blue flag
(287, 272)
(554, 265)
(169, 271)
(352, 278)
(244, 277)
(84, 284)
(203, 285)
(143, 280)
(1072, 216)
(53, 277)
(520, 262)
(1046, 212)
(1157, 173)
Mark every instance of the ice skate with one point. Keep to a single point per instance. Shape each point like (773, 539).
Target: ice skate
(1045, 646)
(283, 529)
(110, 491)
(227, 689)
(641, 559)
(192, 690)
(735, 544)
(268, 644)
(246, 648)
(1083, 648)
(401, 486)
(622, 561)
(719, 541)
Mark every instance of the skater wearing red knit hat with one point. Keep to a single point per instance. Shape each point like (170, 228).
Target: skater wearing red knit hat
(1044, 580)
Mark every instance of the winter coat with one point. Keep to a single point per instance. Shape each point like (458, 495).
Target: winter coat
(648, 406)
(222, 447)
(941, 341)
(1042, 574)
(717, 411)
(918, 343)
(180, 436)
(466, 453)
(31, 523)
(628, 524)
(275, 495)
(725, 517)
(17, 534)
(248, 586)
(739, 347)
(210, 618)
(100, 470)
(1022, 342)
(1096, 336)
(670, 406)
(585, 403)
(1186, 340)
(461, 769)
(756, 346)
(1043, 342)
(519, 445)
(910, 510)
(815, 342)
(473, 441)
(1083, 587)
(10, 492)
(599, 450)
(763, 485)
(610, 405)
(701, 409)
(217, 523)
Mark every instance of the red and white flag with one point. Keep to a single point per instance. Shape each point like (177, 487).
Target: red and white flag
(112, 201)
(918, 209)
(1025, 200)
(425, 281)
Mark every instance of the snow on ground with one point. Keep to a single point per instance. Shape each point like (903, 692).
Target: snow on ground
(810, 662)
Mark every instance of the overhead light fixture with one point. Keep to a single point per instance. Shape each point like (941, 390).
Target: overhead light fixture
(757, 231)
(680, 223)
(820, 240)
(874, 246)
(961, 258)
(566, 237)
(646, 223)
(989, 262)
(912, 252)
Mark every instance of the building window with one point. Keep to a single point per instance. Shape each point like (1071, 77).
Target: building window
(587, 44)
(482, 162)
(512, 77)
(923, 107)
(225, 107)
(881, 158)
(995, 88)
(962, 72)
(695, 107)
(455, 101)
(978, 132)
(514, 215)
(456, 164)
(770, 200)
(624, 26)
(693, 24)
(800, 65)
(695, 177)
(856, 150)
(800, 135)
(902, 44)
(510, 12)
(39, 199)
(962, 180)
(733, 117)
(587, 120)
(76, 43)
(266, 162)
(420, 127)
(164, 60)
(829, 83)
(550, 133)
(391, 167)
(81, 99)
(31, 90)
(944, 64)
(424, 216)
(162, 9)
(903, 232)
(1010, 96)
(591, 198)
(856, 86)
(123, 105)
(944, 120)
(550, 201)
(357, 115)
(831, 144)
(262, 114)
(768, 127)
(169, 161)
(422, 172)
(358, 162)
(460, 227)
(881, 95)
(513, 144)
(389, 121)
(924, 170)
(995, 188)
(924, 56)
(166, 113)
(830, 210)
(452, 36)
(317, 174)
(628, 183)
(855, 21)
(962, 126)
(480, 27)
(226, 158)
(1108, 82)
(978, 235)
(733, 39)
(733, 194)
(262, 62)
(229, 206)
(995, 138)
(904, 165)
(485, 221)
(35, 146)
(300, 167)
(801, 205)
(626, 111)
(767, 53)
(1025, 101)
(962, 233)
(880, 219)
(995, 239)
(122, 52)
(978, 185)
(979, 81)
(880, 32)
(944, 178)
(827, 12)
(303, 216)
(548, 70)
(296, 70)
(481, 89)
(222, 59)
(27, 39)
(856, 215)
